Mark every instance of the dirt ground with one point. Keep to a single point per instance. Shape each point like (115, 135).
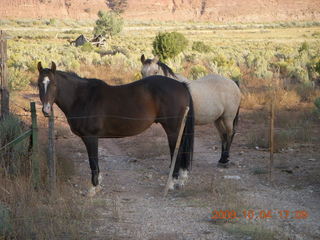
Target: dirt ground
(135, 169)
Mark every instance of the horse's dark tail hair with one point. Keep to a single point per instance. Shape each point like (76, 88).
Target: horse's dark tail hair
(185, 153)
(235, 120)
(237, 82)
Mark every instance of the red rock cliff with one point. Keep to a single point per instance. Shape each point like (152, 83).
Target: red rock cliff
(214, 10)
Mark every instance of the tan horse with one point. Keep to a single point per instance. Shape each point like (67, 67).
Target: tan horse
(215, 98)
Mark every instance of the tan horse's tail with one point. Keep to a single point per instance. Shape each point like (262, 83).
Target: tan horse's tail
(235, 120)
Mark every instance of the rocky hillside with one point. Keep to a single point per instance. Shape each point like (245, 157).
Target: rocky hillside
(214, 10)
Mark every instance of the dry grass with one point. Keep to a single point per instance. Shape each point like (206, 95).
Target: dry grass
(39, 215)
(291, 127)
(227, 195)
(287, 99)
(252, 231)
(115, 76)
(253, 100)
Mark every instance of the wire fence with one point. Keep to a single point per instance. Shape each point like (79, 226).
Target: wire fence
(64, 120)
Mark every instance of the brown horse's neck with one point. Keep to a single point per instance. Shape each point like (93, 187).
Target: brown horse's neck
(74, 91)
(66, 93)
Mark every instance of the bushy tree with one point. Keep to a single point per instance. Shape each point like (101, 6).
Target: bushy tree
(108, 24)
(200, 47)
(169, 44)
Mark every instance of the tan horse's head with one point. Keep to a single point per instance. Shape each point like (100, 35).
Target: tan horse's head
(150, 67)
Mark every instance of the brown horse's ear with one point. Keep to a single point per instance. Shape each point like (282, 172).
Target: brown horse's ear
(53, 67)
(155, 59)
(142, 58)
(40, 67)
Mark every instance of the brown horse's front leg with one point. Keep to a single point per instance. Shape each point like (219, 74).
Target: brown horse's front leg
(91, 143)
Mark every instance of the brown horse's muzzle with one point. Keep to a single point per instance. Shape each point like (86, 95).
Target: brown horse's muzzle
(47, 109)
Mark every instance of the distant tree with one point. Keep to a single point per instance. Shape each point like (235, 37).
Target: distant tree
(117, 6)
(169, 44)
(108, 24)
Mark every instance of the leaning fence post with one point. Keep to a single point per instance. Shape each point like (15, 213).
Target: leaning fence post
(51, 153)
(176, 150)
(35, 156)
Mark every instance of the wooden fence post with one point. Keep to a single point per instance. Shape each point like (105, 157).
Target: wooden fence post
(3, 75)
(51, 153)
(35, 148)
(176, 150)
(271, 134)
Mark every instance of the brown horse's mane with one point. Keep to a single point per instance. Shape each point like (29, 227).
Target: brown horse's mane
(76, 77)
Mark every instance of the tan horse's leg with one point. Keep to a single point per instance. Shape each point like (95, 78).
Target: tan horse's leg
(229, 134)
(223, 136)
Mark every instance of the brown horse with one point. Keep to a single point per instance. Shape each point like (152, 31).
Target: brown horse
(95, 110)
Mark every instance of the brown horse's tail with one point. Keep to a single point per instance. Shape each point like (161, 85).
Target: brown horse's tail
(186, 147)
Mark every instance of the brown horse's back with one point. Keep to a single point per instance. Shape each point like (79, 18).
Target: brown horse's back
(127, 110)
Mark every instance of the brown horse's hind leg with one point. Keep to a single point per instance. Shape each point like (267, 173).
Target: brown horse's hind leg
(172, 135)
(92, 149)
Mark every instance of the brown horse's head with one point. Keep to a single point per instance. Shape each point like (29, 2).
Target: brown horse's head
(47, 87)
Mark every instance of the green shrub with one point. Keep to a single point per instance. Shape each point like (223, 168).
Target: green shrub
(200, 47)
(304, 47)
(18, 80)
(13, 158)
(52, 22)
(169, 45)
(197, 71)
(316, 34)
(87, 47)
(298, 74)
(317, 67)
(259, 63)
(225, 67)
(108, 24)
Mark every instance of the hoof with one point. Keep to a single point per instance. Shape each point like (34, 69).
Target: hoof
(183, 177)
(95, 178)
(173, 183)
(93, 191)
(223, 165)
